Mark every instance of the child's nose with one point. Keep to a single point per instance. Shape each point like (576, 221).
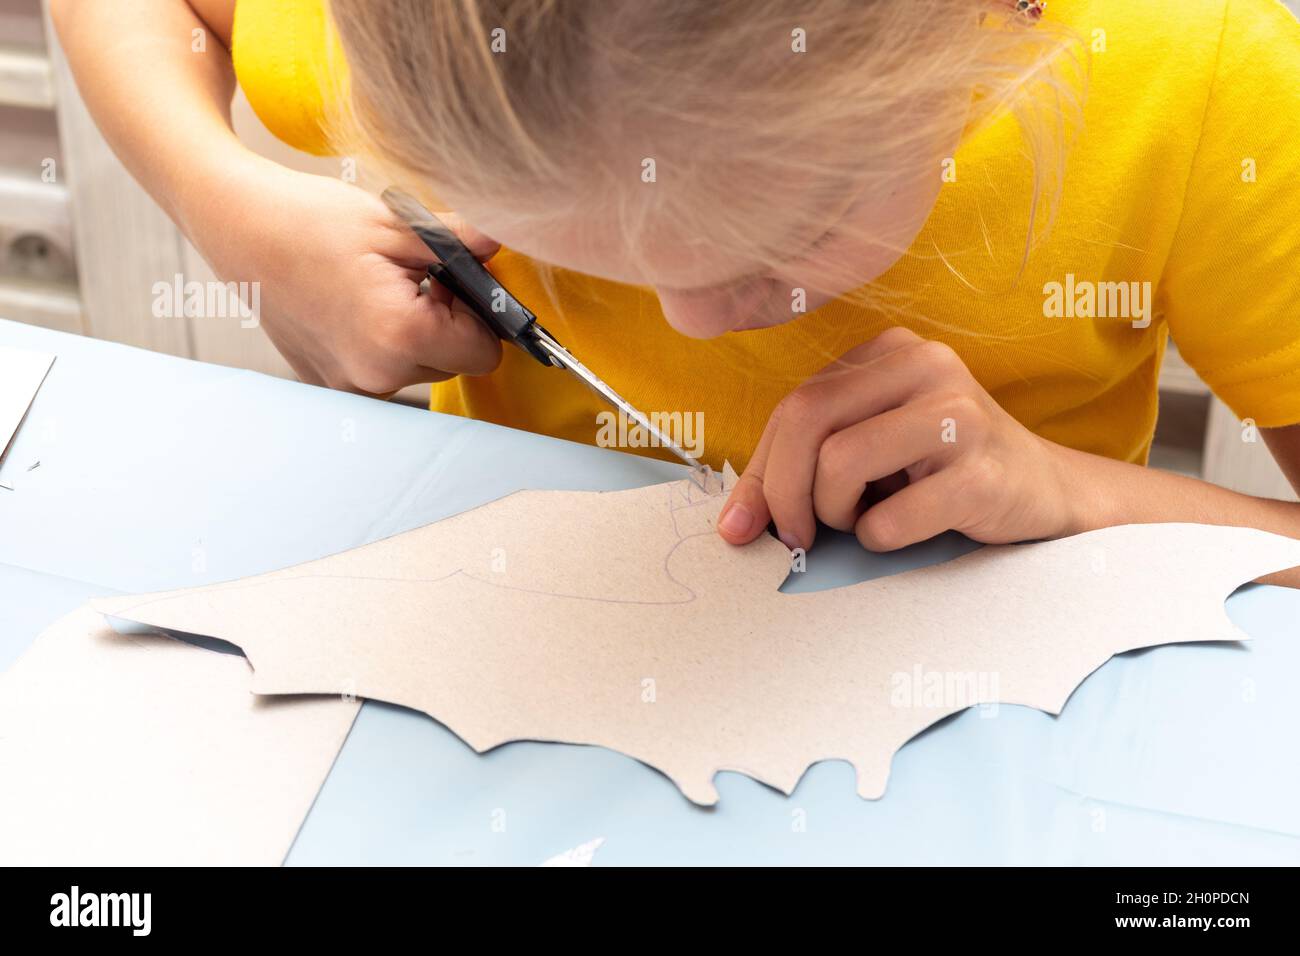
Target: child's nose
(706, 313)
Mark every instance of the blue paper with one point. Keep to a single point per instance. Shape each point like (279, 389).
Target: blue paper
(162, 473)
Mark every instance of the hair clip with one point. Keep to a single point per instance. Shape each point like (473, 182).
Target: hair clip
(1033, 9)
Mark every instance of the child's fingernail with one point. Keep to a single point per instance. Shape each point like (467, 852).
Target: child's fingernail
(737, 520)
(790, 541)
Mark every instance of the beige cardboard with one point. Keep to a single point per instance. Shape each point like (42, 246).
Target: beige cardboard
(21, 375)
(622, 619)
(143, 750)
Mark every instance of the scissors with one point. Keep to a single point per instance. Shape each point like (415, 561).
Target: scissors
(465, 277)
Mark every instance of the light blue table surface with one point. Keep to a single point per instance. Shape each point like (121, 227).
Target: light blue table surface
(158, 472)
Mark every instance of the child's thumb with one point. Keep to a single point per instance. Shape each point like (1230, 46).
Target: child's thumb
(745, 515)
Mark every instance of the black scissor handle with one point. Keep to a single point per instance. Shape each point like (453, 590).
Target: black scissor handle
(466, 278)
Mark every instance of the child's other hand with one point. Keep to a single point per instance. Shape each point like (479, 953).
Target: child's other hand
(896, 442)
(340, 282)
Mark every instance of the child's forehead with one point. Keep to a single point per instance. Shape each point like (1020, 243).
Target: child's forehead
(707, 240)
(598, 244)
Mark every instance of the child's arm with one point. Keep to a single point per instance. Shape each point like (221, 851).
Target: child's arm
(899, 404)
(1106, 492)
(338, 273)
(154, 98)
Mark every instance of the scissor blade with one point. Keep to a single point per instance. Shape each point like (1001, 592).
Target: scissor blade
(564, 359)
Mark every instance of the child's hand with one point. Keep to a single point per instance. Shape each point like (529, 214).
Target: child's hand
(897, 442)
(340, 277)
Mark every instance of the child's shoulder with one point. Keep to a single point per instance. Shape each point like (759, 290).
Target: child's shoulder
(1170, 29)
(281, 53)
(1180, 60)
(1143, 15)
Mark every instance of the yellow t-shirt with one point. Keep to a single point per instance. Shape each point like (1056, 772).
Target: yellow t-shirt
(1185, 177)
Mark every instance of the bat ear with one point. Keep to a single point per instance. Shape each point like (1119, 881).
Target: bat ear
(704, 562)
(702, 557)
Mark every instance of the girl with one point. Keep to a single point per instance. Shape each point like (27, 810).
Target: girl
(915, 261)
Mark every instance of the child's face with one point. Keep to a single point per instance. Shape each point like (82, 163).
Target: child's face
(705, 291)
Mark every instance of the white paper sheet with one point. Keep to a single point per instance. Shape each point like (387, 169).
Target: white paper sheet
(21, 375)
(142, 750)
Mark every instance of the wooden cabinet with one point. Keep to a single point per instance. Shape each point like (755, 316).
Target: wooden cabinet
(38, 281)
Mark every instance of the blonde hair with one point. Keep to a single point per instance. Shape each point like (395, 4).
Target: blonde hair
(540, 107)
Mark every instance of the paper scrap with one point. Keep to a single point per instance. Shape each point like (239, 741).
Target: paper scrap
(21, 375)
(135, 750)
(580, 855)
(623, 620)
